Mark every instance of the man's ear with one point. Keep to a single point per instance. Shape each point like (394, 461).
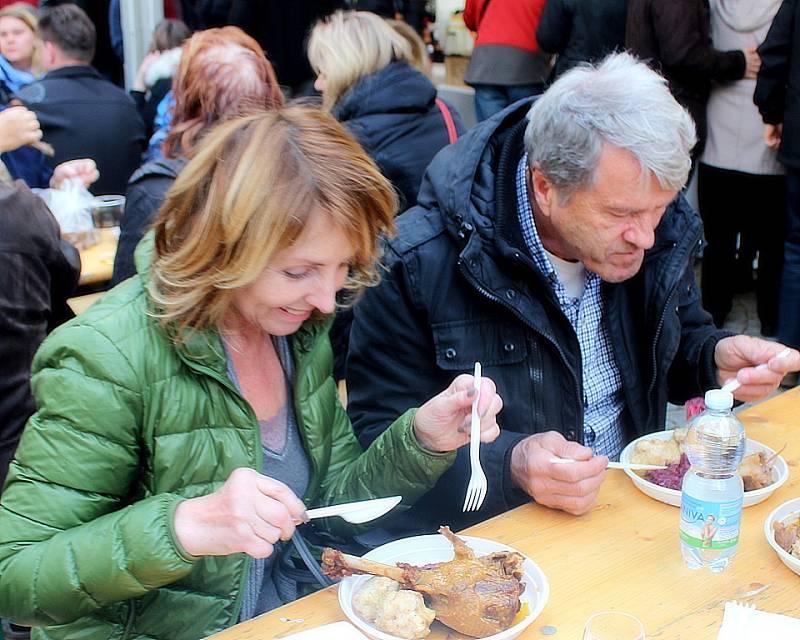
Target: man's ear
(542, 190)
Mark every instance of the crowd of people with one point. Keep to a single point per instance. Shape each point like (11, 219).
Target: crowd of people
(283, 240)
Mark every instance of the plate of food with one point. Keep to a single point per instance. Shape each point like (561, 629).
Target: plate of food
(782, 530)
(762, 469)
(443, 585)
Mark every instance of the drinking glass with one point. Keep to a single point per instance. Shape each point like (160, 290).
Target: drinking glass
(107, 211)
(613, 625)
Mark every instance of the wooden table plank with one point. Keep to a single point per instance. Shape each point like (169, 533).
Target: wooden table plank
(622, 555)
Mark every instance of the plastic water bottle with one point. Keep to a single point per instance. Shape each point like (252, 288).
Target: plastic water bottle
(712, 492)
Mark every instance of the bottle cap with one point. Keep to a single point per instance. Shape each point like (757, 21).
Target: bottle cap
(719, 400)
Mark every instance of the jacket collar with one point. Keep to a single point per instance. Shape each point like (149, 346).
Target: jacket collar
(74, 71)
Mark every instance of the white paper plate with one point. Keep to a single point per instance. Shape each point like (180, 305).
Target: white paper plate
(673, 496)
(421, 550)
(778, 515)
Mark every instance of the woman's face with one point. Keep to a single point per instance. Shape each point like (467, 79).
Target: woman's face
(17, 42)
(299, 279)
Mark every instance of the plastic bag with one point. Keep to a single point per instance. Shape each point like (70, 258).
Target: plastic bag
(71, 205)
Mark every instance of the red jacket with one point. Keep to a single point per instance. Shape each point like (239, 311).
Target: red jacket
(508, 22)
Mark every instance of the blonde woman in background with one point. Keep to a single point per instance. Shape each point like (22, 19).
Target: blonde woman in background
(365, 71)
(20, 49)
(187, 420)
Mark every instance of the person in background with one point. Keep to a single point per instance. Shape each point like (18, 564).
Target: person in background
(281, 28)
(777, 96)
(419, 59)
(223, 74)
(20, 49)
(365, 74)
(199, 400)
(741, 186)
(82, 114)
(507, 63)
(581, 30)
(553, 245)
(154, 77)
(674, 37)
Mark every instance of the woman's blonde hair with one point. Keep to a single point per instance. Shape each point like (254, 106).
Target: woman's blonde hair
(24, 12)
(247, 194)
(348, 45)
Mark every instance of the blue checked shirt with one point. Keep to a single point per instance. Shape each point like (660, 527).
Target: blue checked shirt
(602, 383)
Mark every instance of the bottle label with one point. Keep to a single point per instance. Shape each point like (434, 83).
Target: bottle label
(710, 525)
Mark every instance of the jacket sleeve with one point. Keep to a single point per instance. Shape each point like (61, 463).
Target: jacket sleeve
(71, 539)
(555, 27)
(775, 52)
(682, 48)
(471, 12)
(392, 365)
(694, 368)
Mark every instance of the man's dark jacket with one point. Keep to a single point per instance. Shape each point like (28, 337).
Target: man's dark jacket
(461, 287)
(674, 36)
(37, 274)
(83, 115)
(581, 30)
(146, 192)
(393, 114)
(777, 91)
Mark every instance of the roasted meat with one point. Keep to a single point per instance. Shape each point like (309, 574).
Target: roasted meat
(476, 596)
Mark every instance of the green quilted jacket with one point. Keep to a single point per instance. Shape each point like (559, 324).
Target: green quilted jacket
(128, 426)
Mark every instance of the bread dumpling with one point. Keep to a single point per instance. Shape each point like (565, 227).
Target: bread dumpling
(369, 599)
(405, 615)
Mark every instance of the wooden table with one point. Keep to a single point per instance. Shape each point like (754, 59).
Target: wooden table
(622, 555)
(97, 262)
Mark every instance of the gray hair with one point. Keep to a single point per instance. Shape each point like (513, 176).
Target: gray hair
(619, 101)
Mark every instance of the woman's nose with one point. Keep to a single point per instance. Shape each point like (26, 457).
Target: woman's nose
(324, 295)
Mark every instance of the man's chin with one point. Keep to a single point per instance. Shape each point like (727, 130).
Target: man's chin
(615, 273)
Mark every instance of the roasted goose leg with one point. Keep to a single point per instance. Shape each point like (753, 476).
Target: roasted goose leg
(475, 596)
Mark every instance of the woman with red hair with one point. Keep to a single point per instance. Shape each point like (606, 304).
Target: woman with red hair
(223, 74)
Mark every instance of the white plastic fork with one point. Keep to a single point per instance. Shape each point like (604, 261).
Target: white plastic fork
(476, 489)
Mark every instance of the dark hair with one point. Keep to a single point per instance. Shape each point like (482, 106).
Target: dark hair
(69, 28)
(168, 34)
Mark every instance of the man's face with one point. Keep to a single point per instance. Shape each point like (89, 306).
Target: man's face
(607, 225)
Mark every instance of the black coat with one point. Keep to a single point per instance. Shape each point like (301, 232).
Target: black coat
(674, 36)
(83, 115)
(146, 192)
(777, 91)
(581, 30)
(461, 288)
(37, 273)
(393, 114)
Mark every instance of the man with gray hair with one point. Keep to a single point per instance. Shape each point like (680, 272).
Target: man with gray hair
(557, 250)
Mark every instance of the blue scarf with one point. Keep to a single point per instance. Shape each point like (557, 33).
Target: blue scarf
(13, 78)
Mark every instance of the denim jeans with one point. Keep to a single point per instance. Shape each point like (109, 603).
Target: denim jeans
(789, 307)
(491, 98)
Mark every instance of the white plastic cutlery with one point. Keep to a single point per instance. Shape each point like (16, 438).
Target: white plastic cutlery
(477, 487)
(616, 465)
(356, 512)
(733, 385)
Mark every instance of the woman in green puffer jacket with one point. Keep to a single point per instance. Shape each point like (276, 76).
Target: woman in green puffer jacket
(180, 418)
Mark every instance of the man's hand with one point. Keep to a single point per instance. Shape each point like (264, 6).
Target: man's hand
(570, 487)
(84, 170)
(737, 357)
(443, 422)
(752, 62)
(248, 514)
(18, 127)
(773, 134)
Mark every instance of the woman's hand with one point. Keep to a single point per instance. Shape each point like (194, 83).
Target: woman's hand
(442, 423)
(138, 81)
(84, 170)
(18, 127)
(248, 514)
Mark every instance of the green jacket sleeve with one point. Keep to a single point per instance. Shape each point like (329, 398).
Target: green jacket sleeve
(72, 537)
